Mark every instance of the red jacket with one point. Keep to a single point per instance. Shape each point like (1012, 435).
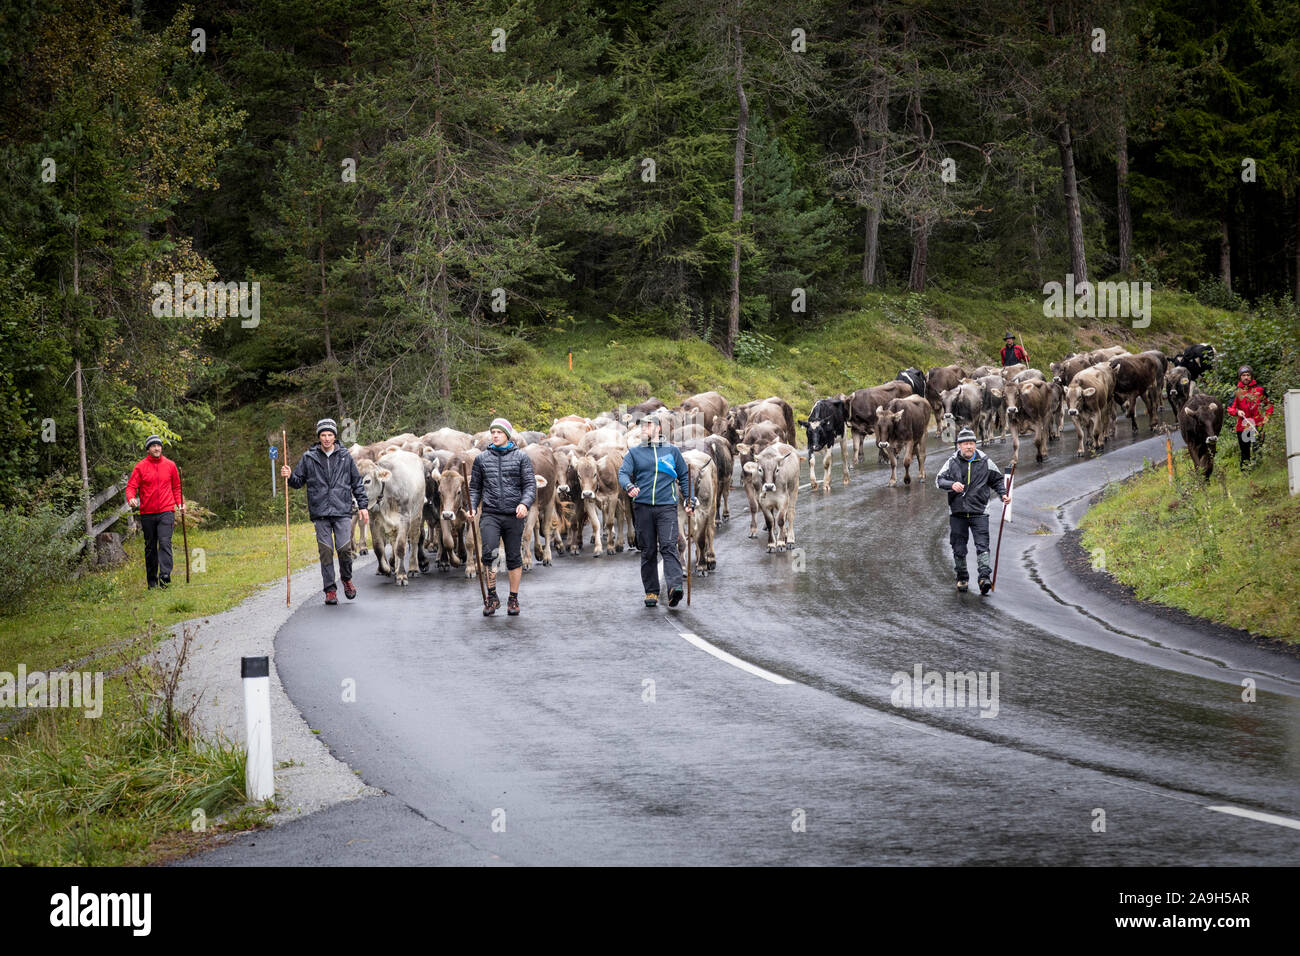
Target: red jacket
(1016, 357)
(158, 482)
(1251, 400)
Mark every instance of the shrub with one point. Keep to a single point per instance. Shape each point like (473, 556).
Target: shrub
(31, 554)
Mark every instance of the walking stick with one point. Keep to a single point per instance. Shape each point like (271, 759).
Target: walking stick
(1011, 476)
(473, 534)
(690, 546)
(284, 443)
(185, 538)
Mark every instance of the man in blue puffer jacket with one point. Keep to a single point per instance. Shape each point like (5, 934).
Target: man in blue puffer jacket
(969, 477)
(651, 474)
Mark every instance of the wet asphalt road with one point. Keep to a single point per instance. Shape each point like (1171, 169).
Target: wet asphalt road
(590, 731)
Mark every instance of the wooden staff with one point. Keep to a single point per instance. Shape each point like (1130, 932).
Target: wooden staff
(284, 444)
(690, 521)
(185, 538)
(473, 534)
(1011, 475)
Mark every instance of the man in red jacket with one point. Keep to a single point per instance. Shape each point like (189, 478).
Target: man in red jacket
(1251, 408)
(1012, 354)
(155, 488)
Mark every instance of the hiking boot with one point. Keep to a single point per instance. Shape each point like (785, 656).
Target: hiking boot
(488, 608)
(331, 596)
(493, 599)
(512, 605)
(163, 582)
(963, 585)
(651, 599)
(985, 585)
(349, 590)
(674, 597)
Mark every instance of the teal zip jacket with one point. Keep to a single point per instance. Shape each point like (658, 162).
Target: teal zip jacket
(658, 470)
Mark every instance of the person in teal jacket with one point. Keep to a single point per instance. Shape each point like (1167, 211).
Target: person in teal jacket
(652, 474)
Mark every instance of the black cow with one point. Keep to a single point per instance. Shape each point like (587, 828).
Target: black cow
(1200, 421)
(1196, 359)
(914, 377)
(824, 425)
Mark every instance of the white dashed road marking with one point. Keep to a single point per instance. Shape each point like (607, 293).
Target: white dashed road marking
(722, 655)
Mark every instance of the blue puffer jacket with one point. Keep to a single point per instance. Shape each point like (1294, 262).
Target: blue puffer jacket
(658, 470)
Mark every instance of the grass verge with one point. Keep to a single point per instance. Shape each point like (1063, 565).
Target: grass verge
(1227, 549)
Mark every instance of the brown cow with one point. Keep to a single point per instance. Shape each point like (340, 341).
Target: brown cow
(1031, 405)
(900, 429)
(705, 409)
(717, 448)
(1139, 376)
(449, 439)
(1088, 401)
(454, 496)
(541, 516)
(1178, 387)
(774, 473)
(1200, 421)
(937, 381)
(862, 411)
(701, 525)
(773, 409)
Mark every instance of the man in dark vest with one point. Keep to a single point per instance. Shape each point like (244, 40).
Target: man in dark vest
(1013, 354)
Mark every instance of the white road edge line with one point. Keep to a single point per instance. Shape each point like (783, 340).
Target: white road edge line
(1256, 815)
(722, 655)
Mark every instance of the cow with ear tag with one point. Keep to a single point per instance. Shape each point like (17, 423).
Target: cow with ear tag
(1200, 420)
(774, 473)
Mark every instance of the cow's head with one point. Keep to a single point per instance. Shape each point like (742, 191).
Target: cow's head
(1076, 398)
(451, 492)
(582, 477)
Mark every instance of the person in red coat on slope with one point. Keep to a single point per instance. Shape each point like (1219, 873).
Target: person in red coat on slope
(155, 488)
(1251, 408)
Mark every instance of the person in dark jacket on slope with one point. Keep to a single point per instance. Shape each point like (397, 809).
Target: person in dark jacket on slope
(969, 477)
(504, 482)
(1013, 354)
(332, 481)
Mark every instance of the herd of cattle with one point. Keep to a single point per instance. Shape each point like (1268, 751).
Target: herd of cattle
(417, 484)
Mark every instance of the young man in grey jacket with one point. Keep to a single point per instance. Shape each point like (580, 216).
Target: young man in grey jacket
(332, 481)
(651, 474)
(969, 477)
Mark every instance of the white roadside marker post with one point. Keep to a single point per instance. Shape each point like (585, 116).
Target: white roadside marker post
(259, 775)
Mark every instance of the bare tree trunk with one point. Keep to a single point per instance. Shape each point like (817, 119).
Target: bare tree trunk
(325, 316)
(1036, 230)
(1124, 214)
(1073, 214)
(1225, 252)
(1295, 290)
(920, 221)
(738, 199)
(81, 403)
(443, 359)
(877, 128)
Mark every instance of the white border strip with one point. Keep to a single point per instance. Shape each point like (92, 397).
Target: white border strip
(722, 655)
(1256, 815)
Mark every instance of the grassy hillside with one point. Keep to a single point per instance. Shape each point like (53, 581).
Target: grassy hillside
(528, 379)
(1228, 550)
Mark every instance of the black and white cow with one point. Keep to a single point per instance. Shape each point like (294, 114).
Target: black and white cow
(825, 425)
(914, 377)
(1196, 359)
